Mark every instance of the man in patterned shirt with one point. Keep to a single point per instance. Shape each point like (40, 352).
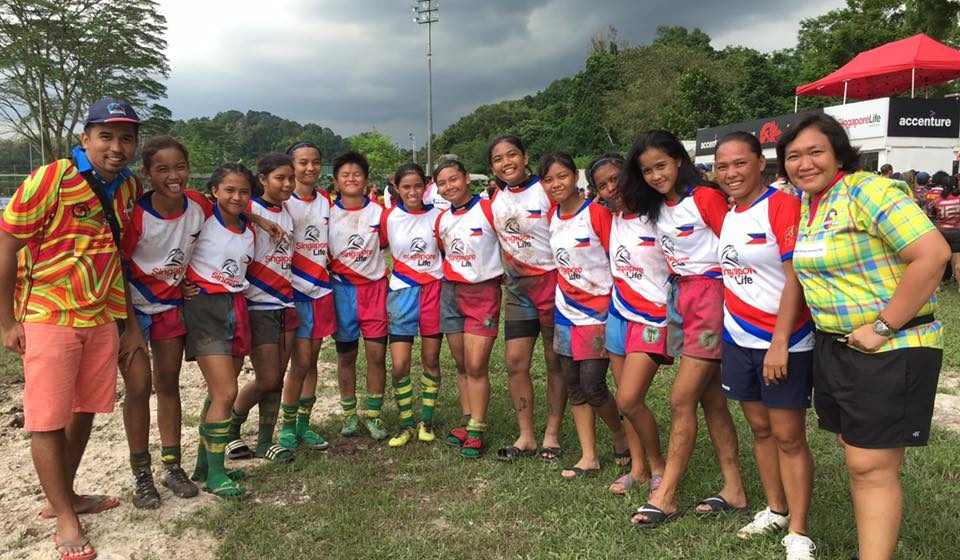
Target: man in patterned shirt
(61, 294)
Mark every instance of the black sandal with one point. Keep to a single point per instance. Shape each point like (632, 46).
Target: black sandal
(550, 454)
(512, 453)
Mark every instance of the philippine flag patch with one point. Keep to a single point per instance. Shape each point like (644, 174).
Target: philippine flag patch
(582, 242)
(535, 214)
(684, 231)
(375, 228)
(756, 239)
(647, 241)
(476, 232)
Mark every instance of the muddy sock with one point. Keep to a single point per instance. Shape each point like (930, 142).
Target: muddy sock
(170, 455)
(217, 434)
(403, 393)
(236, 422)
(374, 404)
(303, 414)
(430, 386)
(140, 461)
(269, 409)
(349, 406)
(288, 415)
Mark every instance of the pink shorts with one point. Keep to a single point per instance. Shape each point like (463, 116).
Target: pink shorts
(317, 318)
(165, 325)
(415, 310)
(650, 340)
(470, 308)
(361, 310)
(580, 342)
(67, 370)
(700, 304)
(531, 298)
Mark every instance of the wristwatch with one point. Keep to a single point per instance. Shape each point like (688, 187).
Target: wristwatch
(880, 327)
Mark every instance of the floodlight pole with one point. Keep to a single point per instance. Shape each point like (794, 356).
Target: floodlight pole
(427, 11)
(413, 148)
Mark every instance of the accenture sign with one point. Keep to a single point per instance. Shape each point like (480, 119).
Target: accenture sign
(924, 118)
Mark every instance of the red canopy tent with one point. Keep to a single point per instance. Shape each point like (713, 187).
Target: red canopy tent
(889, 69)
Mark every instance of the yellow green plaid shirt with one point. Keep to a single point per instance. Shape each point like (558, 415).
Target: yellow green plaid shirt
(847, 260)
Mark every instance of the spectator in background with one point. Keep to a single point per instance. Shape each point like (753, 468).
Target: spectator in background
(782, 184)
(934, 190)
(922, 179)
(886, 170)
(946, 215)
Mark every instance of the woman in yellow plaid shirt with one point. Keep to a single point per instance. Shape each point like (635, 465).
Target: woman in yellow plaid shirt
(869, 261)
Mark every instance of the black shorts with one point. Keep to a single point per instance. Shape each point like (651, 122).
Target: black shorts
(953, 239)
(875, 401)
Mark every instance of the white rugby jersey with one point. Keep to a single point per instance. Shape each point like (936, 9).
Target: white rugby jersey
(221, 256)
(157, 250)
(689, 231)
(580, 244)
(311, 220)
(413, 244)
(641, 279)
(754, 243)
(468, 240)
(520, 216)
(432, 196)
(269, 273)
(356, 243)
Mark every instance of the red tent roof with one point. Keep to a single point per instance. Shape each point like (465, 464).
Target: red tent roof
(887, 70)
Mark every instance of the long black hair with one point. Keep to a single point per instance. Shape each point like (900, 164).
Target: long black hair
(640, 198)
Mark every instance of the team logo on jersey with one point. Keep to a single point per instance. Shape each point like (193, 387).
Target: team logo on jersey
(756, 239)
(418, 246)
(651, 334)
(175, 258)
(647, 241)
(311, 241)
(582, 242)
(623, 266)
(684, 231)
(228, 273)
(281, 253)
(563, 257)
(355, 249)
(458, 253)
(312, 233)
(730, 263)
(563, 265)
(282, 247)
(418, 255)
(669, 253)
(515, 236)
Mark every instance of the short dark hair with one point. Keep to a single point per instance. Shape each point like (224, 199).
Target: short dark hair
(740, 136)
(640, 198)
(162, 142)
(353, 157)
(551, 158)
(846, 154)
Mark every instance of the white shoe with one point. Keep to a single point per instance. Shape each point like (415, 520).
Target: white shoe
(799, 547)
(763, 522)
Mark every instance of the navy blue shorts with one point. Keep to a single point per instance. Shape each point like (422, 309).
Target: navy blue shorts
(741, 378)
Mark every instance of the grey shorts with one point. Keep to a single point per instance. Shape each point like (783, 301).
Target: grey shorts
(217, 325)
(267, 324)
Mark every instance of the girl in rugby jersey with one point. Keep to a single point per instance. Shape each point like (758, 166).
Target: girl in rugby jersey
(767, 338)
(579, 240)
(661, 183)
(520, 212)
(164, 229)
(414, 299)
(217, 317)
(273, 318)
(310, 210)
(636, 332)
(359, 291)
(470, 298)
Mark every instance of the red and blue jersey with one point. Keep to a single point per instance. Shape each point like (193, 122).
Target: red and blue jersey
(580, 244)
(641, 278)
(754, 243)
(311, 220)
(269, 273)
(157, 250)
(520, 217)
(221, 254)
(413, 244)
(468, 242)
(689, 231)
(356, 243)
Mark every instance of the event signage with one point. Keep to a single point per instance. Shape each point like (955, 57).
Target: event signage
(768, 131)
(924, 118)
(866, 119)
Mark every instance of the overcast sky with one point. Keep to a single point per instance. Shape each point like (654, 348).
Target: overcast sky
(352, 65)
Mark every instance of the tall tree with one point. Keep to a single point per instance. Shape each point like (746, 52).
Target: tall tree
(383, 156)
(56, 58)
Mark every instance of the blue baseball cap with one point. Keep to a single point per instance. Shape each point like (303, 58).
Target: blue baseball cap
(923, 178)
(110, 110)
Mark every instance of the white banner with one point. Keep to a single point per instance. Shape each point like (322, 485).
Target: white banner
(864, 119)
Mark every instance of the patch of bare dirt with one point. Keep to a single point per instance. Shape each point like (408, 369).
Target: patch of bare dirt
(946, 409)
(124, 532)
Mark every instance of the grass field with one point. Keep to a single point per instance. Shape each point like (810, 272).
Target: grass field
(361, 499)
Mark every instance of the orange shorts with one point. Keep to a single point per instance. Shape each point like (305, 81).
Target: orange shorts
(67, 370)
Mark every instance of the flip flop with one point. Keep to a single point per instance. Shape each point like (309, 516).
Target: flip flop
(655, 516)
(718, 505)
(96, 503)
(550, 454)
(626, 482)
(578, 472)
(83, 543)
(512, 453)
(618, 456)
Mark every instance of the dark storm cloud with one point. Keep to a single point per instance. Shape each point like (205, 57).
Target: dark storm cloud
(357, 65)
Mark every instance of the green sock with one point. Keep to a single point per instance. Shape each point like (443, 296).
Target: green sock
(303, 414)
(288, 414)
(403, 393)
(430, 386)
(170, 455)
(349, 406)
(200, 470)
(217, 434)
(476, 428)
(269, 410)
(236, 422)
(374, 404)
(140, 461)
